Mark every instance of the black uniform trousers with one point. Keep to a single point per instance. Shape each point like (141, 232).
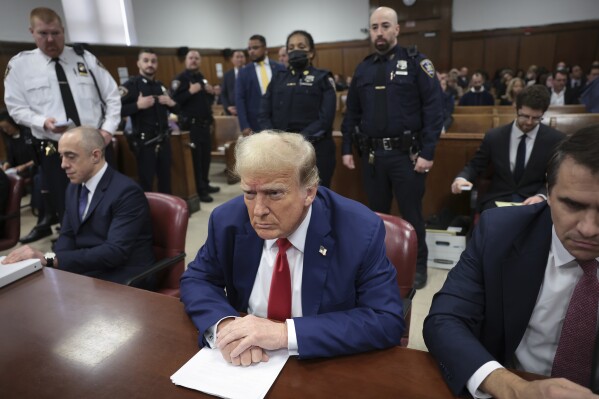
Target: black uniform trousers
(325, 160)
(155, 160)
(54, 180)
(393, 173)
(199, 134)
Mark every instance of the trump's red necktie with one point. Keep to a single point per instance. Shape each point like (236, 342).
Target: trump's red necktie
(279, 299)
(573, 357)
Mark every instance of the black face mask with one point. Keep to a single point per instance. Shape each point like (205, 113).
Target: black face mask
(298, 59)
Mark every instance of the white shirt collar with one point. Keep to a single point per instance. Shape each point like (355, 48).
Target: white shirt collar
(93, 181)
(561, 256)
(518, 133)
(298, 237)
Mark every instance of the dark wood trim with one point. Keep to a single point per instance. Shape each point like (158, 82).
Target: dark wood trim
(527, 30)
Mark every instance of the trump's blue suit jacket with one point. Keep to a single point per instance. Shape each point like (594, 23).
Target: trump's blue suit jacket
(248, 95)
(484, 307)
(350, 297)
(114, 240)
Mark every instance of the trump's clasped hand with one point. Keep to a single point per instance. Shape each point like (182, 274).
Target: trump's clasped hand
(242, 341)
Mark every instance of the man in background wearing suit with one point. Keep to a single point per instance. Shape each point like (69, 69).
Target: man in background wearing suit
(561, 94)
(516, 168)
(251, 84)
(477, 95)
(228, 88)
(525, 292)
(329, 290)
(106, 230)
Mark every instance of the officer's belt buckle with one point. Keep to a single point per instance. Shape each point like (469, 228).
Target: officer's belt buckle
(387, 144)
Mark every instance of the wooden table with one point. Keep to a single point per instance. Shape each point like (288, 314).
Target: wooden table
(70, 336)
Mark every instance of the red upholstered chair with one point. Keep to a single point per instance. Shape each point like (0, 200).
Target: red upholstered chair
(169, 227)
(402, 249)
(12, 216)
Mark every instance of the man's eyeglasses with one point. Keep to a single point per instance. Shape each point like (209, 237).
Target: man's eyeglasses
(533, 119)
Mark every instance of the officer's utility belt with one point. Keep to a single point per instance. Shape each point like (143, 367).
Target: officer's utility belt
(149, 138)
(44, 148)
(187, 122)
(316, 139)
(388, 144)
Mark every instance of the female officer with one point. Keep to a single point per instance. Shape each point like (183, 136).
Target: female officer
(302, 99)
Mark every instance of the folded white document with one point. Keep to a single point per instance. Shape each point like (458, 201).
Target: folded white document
(14, 271)
(208, 372)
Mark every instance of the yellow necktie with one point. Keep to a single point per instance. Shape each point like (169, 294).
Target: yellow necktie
(263, 77)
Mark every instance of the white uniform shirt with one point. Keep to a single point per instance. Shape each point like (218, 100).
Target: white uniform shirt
(32, 93)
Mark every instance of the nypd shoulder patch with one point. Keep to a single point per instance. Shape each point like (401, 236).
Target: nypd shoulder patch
(427, 66)
(175, 85)
(123, 91)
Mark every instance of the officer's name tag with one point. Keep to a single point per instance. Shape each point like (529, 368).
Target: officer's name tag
(401, 73)
(305, 84)
(291, 84)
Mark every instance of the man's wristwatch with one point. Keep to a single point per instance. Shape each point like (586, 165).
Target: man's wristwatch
(49, 256)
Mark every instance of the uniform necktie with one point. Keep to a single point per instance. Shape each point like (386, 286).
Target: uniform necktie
(65, 91)
(263, 77)
(520, 157)
(574, 352)
(380, 95)
(279, 299)
(83, 194)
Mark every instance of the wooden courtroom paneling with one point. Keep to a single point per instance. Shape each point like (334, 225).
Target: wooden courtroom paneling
(352, 57)
(575, 45)
(500, 52)
(536, 50)
(331, 59)
(468, 53)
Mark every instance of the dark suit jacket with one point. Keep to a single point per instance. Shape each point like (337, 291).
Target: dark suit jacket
(492, 159)
(571, 96)
(484, 307)
(114, 241)
(228, 90)
(248, 95)
(481, 98)
(350, 296)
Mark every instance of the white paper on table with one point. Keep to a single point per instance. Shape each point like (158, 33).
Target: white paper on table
(208, 372)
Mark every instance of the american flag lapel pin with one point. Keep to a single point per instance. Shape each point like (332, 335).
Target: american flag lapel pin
(323, 251)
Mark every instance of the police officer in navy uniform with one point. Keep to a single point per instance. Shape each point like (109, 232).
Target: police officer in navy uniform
(394, 116)
(301, 99)
(147, 102)
(195, 96)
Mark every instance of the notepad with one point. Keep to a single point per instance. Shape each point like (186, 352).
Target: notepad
(14, 271)
(506, 203)
(208, 372)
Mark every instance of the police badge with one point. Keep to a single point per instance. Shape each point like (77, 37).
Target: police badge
(427, 66)
(175, 85)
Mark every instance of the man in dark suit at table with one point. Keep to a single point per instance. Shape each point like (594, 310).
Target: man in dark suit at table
(106, 230)
(330, 290)
(525, 291)
(251, 84)
(514, 156)
(228, 87)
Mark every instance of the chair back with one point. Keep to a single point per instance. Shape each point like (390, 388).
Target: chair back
(170, 216)
(401, 244)
(12, 217)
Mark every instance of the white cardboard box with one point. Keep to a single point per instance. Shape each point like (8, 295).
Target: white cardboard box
(444, 249)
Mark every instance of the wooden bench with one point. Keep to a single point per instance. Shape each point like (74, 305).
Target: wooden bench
(482, 109)
(225, 129)
(571, 123)
(471, 123)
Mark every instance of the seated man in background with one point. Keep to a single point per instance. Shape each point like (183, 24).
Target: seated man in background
(329, 290)
(477, 95)
(525, 291)
(514, 155)
(106, 231)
